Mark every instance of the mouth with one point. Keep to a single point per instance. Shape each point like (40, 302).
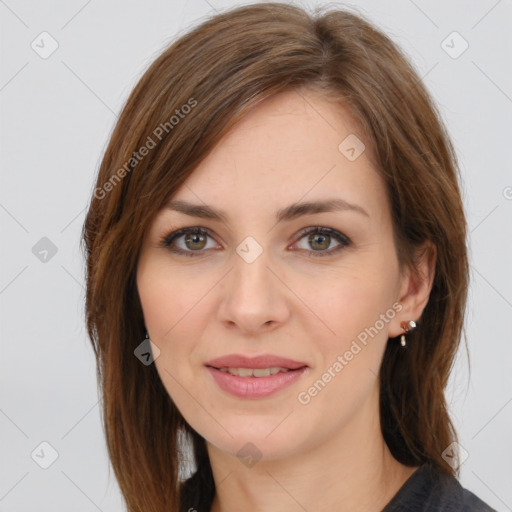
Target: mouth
(254, 377)
(254, 372)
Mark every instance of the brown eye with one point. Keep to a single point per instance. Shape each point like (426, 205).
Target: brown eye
(319, 239)
(195, 241)
(189, 241)
(319, 242)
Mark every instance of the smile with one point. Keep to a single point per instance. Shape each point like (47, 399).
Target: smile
(255, 383)
(254, 372)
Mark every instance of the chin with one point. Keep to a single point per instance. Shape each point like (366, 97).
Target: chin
(254, 440)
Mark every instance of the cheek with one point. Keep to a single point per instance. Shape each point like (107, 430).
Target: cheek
(169, 298)
(353, 309)
(175, 308)
(355, 301)
(351, 358)
(168, 306)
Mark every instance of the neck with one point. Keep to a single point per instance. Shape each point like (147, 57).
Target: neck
(352, 471)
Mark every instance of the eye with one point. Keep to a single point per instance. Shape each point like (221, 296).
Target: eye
(319, 239)
(193, 241)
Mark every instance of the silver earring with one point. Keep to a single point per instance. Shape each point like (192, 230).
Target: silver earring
(407, 327)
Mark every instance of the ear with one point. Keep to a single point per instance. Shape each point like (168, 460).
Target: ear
(414, 291)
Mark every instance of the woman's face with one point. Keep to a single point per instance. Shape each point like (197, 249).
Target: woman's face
(311, 291)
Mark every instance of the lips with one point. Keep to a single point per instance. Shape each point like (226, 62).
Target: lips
(254, 377)
(258, 362)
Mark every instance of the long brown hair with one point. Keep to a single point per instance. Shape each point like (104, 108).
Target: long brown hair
(190, 96)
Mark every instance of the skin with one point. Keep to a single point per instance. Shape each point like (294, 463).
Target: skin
(330, 453)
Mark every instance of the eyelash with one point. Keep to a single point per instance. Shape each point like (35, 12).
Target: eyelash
(343, 240)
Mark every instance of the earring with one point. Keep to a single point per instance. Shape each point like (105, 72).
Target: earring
(407, 327)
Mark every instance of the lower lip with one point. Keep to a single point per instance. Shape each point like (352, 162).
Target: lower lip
(255, 387)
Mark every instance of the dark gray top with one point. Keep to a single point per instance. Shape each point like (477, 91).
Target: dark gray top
(430, 490)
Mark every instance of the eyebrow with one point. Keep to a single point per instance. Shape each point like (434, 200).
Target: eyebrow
(288, 213)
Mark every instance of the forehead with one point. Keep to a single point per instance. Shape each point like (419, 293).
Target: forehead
(286, 149)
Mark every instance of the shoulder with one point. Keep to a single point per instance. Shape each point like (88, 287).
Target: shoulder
(472, 503)
(429, 489)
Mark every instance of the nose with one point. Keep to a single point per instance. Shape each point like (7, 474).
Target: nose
(254, 299)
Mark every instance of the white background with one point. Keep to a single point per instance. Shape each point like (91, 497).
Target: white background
(56, 116)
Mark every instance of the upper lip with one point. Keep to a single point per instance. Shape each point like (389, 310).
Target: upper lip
(263, 361)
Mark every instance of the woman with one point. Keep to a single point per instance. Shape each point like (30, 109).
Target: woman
(277, 272)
